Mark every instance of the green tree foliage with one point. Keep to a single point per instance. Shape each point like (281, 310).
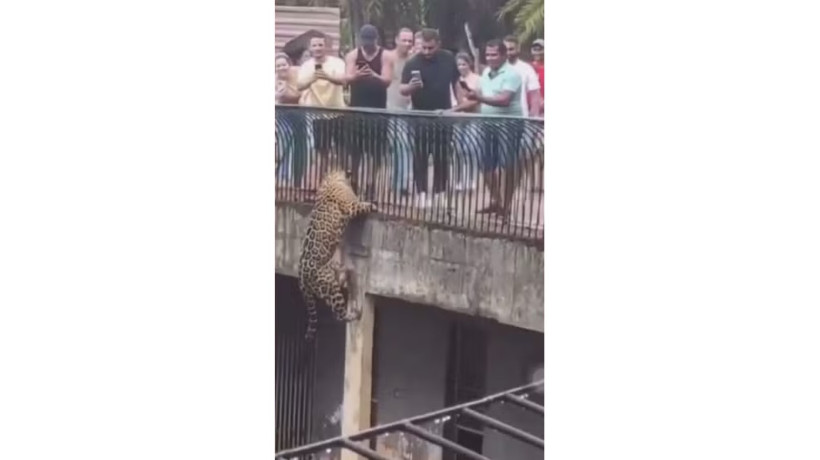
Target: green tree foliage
(487, 18)
(527, 16)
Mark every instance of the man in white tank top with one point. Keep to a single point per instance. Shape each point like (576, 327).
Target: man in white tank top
(400, 139)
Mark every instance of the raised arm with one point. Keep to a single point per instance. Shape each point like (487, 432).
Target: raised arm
(337, 78)
(351, 72)
(455, 75)
(407, 88)
(464, 104)
(387, 68)
(306, 76)
(509, 89)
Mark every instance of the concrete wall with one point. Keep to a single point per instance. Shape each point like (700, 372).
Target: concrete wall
(490, 277)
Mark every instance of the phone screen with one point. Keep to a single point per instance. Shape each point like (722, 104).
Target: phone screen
(318, 66)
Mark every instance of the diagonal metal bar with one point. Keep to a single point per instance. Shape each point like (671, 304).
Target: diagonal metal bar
(398, 425)
(444, 443)
(367, 453)
(504, 428)
(524, 403)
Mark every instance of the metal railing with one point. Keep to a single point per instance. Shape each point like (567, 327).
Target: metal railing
(472, 172)
(516, 396)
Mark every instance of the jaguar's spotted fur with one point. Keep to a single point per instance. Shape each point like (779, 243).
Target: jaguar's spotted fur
(321, 278)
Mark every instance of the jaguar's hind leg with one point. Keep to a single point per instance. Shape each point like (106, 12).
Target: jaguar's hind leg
(333, 288)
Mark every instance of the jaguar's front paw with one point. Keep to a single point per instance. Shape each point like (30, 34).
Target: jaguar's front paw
(353, 315)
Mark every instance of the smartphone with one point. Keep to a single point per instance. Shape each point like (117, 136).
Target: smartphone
(361, 64)
(318, 67)
(463, 85)
(415, 75)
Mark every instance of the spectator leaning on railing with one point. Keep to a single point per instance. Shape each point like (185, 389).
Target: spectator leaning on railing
(499, 94)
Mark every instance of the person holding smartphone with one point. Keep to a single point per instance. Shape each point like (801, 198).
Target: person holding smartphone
(500, 94)
(322, 77)
(369, 73)
(321, 80)
(430, 78)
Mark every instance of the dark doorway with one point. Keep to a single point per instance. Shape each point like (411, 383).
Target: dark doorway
(466, 381)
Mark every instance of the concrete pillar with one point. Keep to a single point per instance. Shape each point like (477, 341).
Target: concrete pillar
(358, 380)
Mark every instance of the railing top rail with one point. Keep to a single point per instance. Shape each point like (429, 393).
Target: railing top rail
(410, 113)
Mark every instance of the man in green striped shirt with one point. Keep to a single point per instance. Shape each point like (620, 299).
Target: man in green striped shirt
(499, 94)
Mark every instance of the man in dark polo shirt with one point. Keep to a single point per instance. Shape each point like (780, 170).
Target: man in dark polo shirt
(429, 78)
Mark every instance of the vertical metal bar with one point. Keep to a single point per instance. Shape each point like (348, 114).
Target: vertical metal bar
(296, 395)
(475, 172)
(277, 360)
(307, 382)
(285, 388)
(292, 388)
(299, 398)
(312, 384)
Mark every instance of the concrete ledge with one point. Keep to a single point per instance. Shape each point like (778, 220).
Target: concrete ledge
(496, 278)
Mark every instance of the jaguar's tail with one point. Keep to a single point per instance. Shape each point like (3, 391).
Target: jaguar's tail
(313, 317)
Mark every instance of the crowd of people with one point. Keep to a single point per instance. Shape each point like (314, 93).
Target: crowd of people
(416, 75)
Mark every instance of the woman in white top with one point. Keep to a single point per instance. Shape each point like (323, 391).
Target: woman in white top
(467, 133)
(290, 150)
(286, 92)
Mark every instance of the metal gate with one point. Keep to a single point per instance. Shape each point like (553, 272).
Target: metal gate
(295, 361)
(309, 375)
(517, 396)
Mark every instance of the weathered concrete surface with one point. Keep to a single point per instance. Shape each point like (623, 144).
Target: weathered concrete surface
(358, 373)
(489, 277)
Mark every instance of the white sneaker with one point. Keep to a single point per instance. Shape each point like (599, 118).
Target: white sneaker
(440, 200)
(421, 200)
